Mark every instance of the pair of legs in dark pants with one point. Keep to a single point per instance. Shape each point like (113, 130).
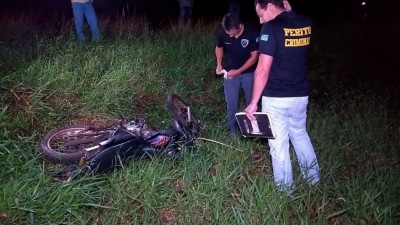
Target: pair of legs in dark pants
(232, 89)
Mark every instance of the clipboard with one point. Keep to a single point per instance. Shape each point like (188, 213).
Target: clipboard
(261, 127)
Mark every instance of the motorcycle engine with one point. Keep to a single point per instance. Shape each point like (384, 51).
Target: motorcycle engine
(139, 128)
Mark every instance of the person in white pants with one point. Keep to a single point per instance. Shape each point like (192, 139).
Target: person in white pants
(281, 81)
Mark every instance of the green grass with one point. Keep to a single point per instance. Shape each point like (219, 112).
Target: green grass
(51, 80)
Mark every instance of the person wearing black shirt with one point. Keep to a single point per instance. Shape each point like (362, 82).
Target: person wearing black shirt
(240, 44)
(281, 81)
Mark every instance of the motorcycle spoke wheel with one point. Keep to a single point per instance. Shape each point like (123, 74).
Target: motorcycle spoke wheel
(67, 144)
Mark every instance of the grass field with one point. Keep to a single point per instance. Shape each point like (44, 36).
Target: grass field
(48, 79)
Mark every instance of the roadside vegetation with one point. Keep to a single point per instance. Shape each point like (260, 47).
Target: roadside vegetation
(48, 80)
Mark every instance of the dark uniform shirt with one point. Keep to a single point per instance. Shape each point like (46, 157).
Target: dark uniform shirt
(238, 50)
(287, 39)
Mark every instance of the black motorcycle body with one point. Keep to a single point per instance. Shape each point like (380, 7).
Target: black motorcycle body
(123, 148)
(91, 150)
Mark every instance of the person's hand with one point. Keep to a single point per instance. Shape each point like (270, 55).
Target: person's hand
(251, 108)
(232, 73)
(218, 70)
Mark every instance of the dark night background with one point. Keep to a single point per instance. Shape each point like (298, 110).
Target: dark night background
(375, 41)
(376, 48)
(321, 11)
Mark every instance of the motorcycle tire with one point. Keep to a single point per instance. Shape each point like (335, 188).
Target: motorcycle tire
(58, 144)
(183, 113)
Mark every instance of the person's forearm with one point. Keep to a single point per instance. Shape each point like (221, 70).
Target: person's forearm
(260, 80)
(219, 53)
(261, 77)
(249, 63)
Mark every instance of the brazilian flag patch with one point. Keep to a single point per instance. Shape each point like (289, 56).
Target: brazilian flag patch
(264, 37)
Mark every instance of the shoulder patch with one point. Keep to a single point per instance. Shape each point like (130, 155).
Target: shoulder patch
(264, 37)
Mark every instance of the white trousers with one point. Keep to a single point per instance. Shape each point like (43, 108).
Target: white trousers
(288, 118)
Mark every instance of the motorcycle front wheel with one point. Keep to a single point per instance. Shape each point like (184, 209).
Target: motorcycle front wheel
(67, 144)
(184, 114)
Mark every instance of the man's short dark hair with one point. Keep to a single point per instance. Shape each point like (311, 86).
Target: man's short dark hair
(264, 3)
(230, 21)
